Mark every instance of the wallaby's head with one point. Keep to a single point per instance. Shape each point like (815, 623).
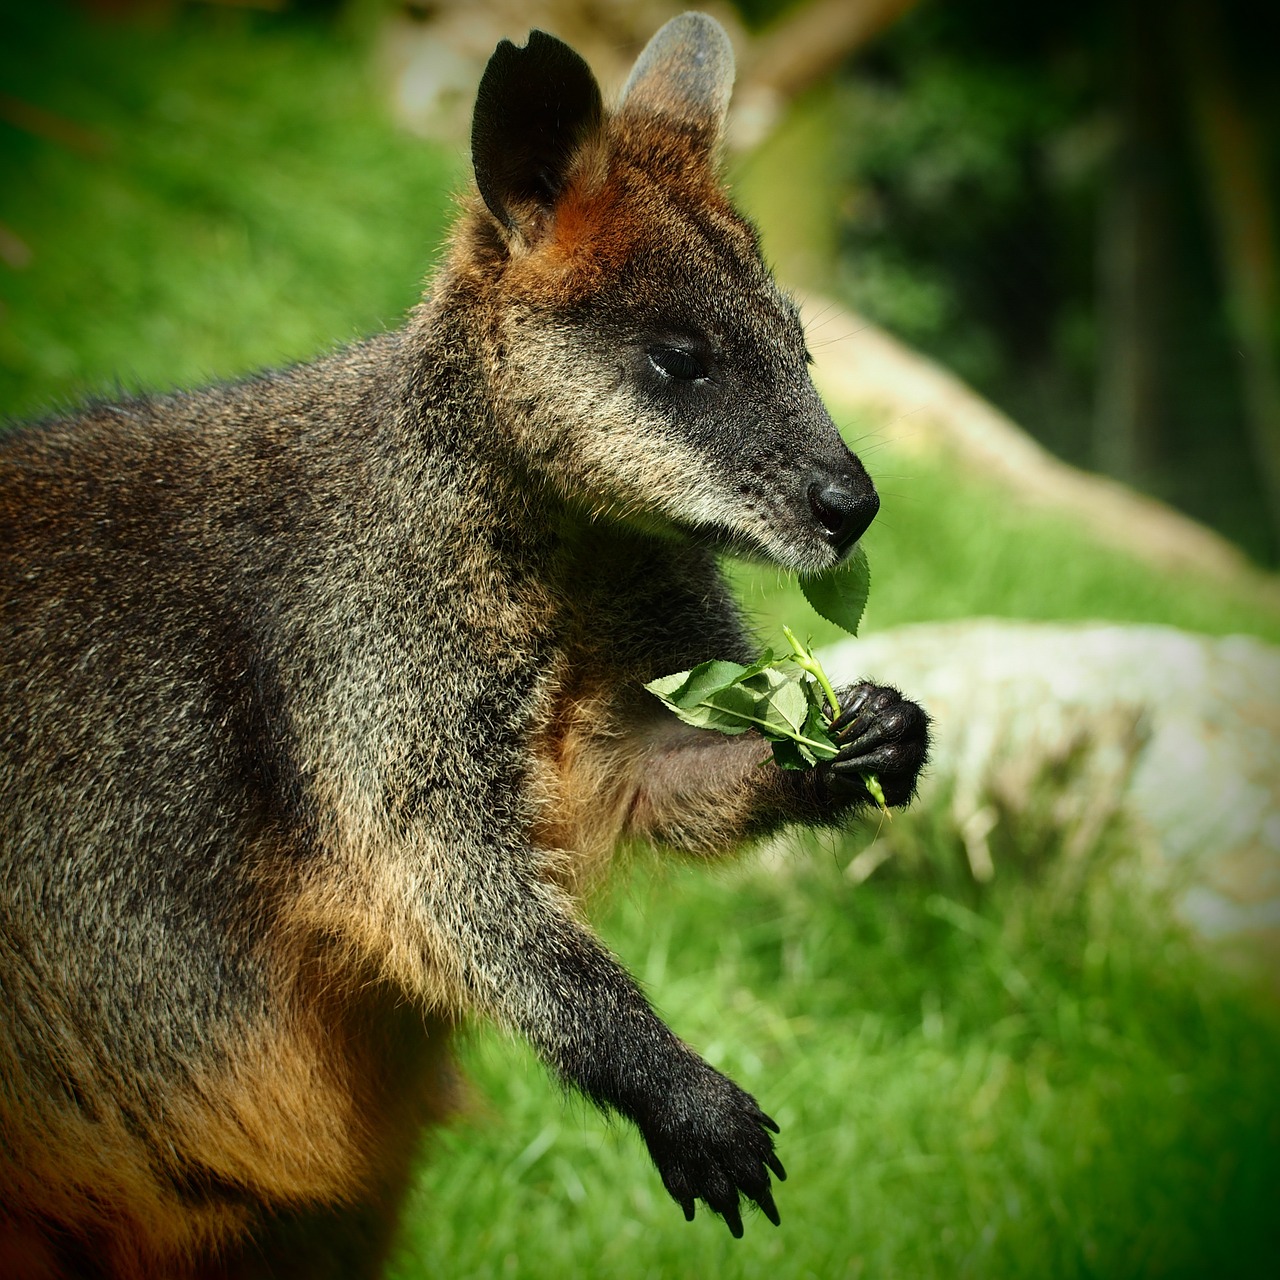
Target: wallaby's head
(639, 351)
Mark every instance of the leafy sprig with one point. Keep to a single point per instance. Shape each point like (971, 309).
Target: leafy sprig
(786, 698)
(784, 708)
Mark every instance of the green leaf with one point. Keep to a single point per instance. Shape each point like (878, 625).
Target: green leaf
(789, 754)
(815, 727)
(665, 687)
(764, 661)
(680, 693)
(705, 716)
(737, 702)
(840, 594)
(689, 688)
(780, 704)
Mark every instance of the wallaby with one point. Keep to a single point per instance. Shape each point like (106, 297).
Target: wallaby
(323, 696)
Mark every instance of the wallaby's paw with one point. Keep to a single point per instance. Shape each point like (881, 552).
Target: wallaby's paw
(878, 731)
(711, 1142)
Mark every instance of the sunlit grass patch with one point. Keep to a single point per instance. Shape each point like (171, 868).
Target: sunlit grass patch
(239, 198)
(1006, 1082)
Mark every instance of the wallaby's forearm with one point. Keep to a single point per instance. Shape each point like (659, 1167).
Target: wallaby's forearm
(520, 956)
(704, 793)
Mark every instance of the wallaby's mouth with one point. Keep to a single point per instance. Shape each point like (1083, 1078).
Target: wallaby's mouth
(808, 533)
(802, 509)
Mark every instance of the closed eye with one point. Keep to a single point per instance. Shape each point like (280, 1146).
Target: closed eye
(676, 362)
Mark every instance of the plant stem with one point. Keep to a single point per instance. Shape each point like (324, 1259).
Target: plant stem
(807, 662)
(742, 715)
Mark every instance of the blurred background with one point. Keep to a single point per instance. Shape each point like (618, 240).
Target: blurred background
(1030, 1029)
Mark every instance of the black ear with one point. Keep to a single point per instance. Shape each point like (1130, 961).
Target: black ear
(534, 107)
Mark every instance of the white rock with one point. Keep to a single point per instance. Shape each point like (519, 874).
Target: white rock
(1178, 734)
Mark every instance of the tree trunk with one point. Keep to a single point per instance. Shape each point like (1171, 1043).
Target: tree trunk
(1231, 156)
(1133, 261)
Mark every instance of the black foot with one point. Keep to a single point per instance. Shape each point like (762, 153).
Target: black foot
(711, 1142)
(878, 731)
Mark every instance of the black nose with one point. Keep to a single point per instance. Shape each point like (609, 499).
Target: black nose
(846, 514)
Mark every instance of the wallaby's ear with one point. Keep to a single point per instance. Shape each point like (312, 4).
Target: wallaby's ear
(534, 107)
(685, 73)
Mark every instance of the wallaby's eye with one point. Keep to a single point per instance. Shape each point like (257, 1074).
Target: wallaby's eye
(676, 362)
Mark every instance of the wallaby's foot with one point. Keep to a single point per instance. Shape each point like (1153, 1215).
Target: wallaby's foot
(711, 1142)
(878, 731)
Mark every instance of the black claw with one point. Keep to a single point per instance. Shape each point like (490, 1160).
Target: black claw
(863, 745)
(718, 1164)
(871, 762)
(768, 1208)
(850, 712)
(843, 726)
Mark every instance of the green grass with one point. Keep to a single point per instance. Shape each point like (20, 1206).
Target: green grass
(241, 201)
(1040, 1079)
(1033, 1084)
